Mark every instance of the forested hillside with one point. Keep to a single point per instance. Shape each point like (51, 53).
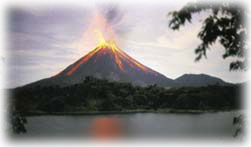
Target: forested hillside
(96, 95)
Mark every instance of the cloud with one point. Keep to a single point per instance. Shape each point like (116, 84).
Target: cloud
(112, 13)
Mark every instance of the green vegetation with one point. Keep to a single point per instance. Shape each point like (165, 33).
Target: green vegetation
(96, 95)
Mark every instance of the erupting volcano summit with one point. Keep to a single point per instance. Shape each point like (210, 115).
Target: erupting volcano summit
(109, 48)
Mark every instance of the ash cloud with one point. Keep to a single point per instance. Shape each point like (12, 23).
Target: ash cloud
(112, 13)
(115, 16)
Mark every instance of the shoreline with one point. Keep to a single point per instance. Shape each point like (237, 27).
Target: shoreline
(177, 111)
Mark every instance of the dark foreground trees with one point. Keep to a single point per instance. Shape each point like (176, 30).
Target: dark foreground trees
(224, 24)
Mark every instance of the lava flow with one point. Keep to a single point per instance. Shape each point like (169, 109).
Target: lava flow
(109, 47)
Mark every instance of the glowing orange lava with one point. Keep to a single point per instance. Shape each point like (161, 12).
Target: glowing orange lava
(119, 56)
(83, 60)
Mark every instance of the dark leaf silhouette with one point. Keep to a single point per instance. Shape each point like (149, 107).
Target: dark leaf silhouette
(224, 24)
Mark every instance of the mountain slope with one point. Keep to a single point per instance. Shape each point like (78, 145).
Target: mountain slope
(196, 80)
(109, 62)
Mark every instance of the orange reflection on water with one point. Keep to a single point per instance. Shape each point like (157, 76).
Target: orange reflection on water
(106, 128)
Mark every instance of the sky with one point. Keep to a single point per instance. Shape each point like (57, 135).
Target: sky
(43, 41)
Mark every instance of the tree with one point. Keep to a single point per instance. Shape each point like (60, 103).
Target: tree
(224, 24)
(18, 122)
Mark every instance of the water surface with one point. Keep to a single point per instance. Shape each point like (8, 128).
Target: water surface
(167, 125)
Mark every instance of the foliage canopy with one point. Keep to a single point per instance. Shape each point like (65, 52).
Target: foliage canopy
(224, 24)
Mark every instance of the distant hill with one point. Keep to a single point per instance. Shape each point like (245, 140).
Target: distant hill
(197, 80)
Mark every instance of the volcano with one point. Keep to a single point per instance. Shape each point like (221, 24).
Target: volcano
(107, 61)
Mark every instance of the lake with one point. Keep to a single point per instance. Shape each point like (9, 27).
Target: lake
(168, 125)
